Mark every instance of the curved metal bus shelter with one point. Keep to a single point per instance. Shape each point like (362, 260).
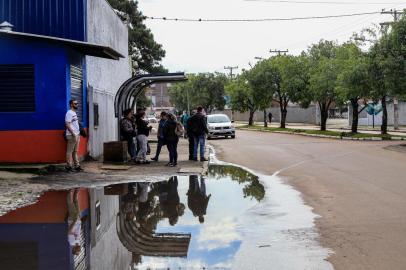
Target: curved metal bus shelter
(126, 96)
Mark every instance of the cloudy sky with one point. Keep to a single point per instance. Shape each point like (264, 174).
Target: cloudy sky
(209, 46)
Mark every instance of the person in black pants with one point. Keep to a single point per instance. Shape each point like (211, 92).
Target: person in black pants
(190, 137)
(128, 132)
(171, 139)
(160, 135)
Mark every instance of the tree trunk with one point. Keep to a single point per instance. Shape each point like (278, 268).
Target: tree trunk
(284, 112)
(323, 117)
(265, 121)
(384, 126)
(354, 125)
(251, 119)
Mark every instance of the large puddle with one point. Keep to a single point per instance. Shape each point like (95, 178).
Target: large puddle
(231, 219)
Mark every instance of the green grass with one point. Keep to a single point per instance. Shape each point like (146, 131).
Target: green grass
(337, 134)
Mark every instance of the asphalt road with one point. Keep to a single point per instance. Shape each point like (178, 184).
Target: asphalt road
(358, 189)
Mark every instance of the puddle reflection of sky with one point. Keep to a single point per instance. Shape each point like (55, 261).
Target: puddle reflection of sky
(215, 242)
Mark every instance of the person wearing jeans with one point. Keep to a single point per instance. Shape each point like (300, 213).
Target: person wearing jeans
(128, 132)
(198, 126)
(171, 139)
(161, 139)
(143, 132)
(72, 137)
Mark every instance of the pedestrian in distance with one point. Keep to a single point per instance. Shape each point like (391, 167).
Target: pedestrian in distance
(270, 118)
(160, 135)
(72, 133)
(184, 119)
(199, 130)
(128, 131)
(143, 130)
(171, 137)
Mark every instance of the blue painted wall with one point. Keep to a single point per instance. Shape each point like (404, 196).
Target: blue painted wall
(59, 18)
(53, 246)
(52, 83)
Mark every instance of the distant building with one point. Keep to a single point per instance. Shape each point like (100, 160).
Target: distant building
(56, 51)
(159, 95)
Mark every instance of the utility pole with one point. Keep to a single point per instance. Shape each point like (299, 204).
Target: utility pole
(395, 14)
(279, 52)
(230, 68)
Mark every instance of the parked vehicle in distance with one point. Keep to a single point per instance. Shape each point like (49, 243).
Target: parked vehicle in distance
(152, 118)
(220, 125)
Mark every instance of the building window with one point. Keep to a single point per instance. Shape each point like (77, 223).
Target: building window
(96, 115)
(17, 88)
(97, 212)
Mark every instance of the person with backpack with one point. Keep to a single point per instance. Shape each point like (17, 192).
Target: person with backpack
(143, 130)
(199, 130)
(128, 131)
(160, 135)
(172, 132)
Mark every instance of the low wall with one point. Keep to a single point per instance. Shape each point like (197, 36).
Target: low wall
(296, 114)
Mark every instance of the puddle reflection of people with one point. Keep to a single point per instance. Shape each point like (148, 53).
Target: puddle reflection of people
(130, 202)
(197, 200)
(169, 200)
(74, 222)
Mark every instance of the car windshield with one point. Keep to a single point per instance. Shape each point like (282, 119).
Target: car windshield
(218, 119)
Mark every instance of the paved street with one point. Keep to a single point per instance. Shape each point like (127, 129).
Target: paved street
(358, 189)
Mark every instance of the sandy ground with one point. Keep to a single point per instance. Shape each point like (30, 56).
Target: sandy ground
(358, 189)
(18, 190)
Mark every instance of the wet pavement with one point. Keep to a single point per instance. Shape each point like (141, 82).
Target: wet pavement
(229, 219)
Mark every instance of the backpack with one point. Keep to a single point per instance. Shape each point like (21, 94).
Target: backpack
(179, 129)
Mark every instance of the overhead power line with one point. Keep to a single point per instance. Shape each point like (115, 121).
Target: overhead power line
(327, 2)
(262, 19)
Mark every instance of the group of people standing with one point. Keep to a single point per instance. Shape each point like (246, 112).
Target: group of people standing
(135, 129)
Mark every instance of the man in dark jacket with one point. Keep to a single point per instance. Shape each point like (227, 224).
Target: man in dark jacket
(190, 137)
(128, 132)
(160, 135)
(199, 130)
(197, 199)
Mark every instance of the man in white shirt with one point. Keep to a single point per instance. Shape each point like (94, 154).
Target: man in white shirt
(73, 137)
(74, 222)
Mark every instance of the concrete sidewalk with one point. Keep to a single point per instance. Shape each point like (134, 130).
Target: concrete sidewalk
(18, 190)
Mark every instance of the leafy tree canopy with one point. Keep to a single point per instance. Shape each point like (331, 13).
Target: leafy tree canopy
(145, 52)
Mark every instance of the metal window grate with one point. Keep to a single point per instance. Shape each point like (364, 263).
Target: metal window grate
(76, 81)
(17, 88)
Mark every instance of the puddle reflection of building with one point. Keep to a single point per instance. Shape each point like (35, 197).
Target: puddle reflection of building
(141, 209)
(197, 198)
(38, 236)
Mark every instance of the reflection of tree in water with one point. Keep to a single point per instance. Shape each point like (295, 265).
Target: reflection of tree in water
(253, 188)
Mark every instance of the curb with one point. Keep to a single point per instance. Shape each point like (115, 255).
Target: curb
(392, 138)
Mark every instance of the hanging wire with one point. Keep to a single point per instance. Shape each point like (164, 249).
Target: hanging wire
(262, 19)
(326, 2)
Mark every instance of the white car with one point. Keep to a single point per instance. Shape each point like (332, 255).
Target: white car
(219, 125)
(152, 119)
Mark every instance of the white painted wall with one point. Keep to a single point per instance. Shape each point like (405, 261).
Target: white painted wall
(104, 76)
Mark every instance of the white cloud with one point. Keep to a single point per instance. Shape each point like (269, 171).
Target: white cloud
(219, 235)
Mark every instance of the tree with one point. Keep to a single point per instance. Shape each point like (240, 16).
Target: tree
(243, 97)
(323, 77)
(353, 80)
(145, 52)
(204, 89)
